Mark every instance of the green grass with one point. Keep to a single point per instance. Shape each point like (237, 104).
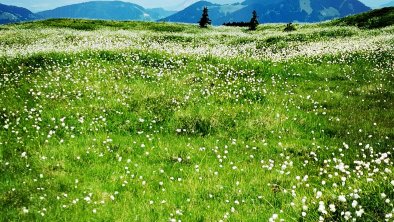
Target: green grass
(89, 25)
(148, 135)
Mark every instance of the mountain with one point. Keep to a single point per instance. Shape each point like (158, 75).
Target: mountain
(389, 4)
(106, 10)
(300, 10)
(12, 14)
(272, 11)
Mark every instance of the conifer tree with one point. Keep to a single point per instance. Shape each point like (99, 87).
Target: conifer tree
(205, 21)
(253, 21)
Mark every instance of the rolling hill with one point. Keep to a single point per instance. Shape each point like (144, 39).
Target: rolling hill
(377, 18)
(12, 14)
(273, 11)
(106, 10)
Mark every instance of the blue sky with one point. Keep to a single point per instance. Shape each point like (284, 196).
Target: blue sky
(39, 5)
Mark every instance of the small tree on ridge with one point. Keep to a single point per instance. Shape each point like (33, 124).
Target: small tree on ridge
(205, 21)
(290, 27)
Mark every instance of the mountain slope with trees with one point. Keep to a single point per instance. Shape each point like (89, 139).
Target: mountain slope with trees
(272, 11)
(12, 14)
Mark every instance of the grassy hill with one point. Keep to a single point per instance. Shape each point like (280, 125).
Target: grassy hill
(377, 18)
(121, 121)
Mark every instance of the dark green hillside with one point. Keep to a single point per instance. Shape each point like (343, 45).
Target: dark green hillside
(378, 18)
(90, 25)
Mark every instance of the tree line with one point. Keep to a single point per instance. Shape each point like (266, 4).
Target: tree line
(252, 24)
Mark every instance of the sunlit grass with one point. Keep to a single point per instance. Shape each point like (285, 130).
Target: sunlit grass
(147, 133)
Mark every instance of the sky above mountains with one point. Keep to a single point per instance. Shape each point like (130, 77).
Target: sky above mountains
(40, 5)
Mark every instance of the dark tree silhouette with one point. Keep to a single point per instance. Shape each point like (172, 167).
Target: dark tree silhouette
(289, 27)
(205, 21)
(253, 21)
(240, 24)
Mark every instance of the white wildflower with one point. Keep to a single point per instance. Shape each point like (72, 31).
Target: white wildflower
(318, 194)
(332, 207)
(25, 210)
(354, 203)
(360, 212)
(342, 198)
(322, 208)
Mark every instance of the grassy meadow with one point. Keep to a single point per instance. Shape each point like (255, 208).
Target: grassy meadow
(136, 121)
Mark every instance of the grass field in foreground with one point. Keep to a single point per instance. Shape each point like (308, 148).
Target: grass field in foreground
(158, 122)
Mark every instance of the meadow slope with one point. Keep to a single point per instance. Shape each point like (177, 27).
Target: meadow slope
(134, 121)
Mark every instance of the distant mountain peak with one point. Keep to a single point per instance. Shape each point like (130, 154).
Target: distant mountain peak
(186, 4)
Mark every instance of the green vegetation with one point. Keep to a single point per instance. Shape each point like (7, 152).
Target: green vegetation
(134, 121)
(90, 25)
(377, 18)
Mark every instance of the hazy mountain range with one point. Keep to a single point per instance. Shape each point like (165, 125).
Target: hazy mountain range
(268, 11)
(107, 10)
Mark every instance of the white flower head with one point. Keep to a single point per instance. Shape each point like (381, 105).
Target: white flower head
(360, 212)
(342, 198)
(354, 203)
(25, 210)
(332, 207)
(318, 194)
